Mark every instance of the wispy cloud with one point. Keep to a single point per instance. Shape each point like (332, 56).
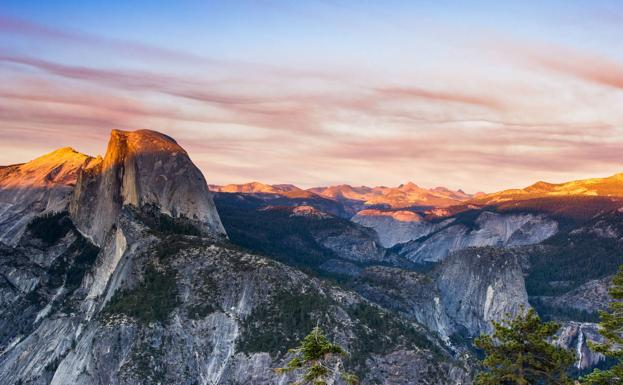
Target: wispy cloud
(134, 80)
(591, 67)
(439, 96)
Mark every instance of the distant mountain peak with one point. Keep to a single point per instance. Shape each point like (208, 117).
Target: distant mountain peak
(410, 185)
(57, 167)
(404, 195)
(39, 186)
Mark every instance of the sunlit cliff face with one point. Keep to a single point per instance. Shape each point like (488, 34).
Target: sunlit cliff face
(400, 215)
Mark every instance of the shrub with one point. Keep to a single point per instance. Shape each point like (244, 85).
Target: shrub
(50, 227)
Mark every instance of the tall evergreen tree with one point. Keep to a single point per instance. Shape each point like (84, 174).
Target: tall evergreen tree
(520, 353)
(611, 327)
(318, 360)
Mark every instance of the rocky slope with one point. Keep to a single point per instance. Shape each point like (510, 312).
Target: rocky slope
(40, 186)
(573, 258)
(401, 226)
(480, 285)
(39, 273)
(458, 298)
(478, 228)
(185, 310)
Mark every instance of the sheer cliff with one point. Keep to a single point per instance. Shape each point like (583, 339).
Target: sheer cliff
(141, 168)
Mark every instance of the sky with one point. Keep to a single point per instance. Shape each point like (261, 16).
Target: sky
(478, 95)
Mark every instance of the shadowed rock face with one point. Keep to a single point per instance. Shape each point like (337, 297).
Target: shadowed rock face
(488, 229)
(394, 227)
(576, 336)
(480, 285)
(142, 168)
(462, 295)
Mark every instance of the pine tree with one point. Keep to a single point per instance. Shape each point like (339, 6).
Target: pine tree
(319, 360)
(611, 328)
(520, 353)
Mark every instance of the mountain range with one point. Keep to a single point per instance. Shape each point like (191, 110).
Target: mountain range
(411, 196)
(405, 195)
(130, 269)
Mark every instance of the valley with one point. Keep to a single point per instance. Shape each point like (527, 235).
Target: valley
(129, 268)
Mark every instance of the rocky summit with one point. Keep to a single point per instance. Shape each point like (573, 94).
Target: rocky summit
(127, 269)
(141, 168)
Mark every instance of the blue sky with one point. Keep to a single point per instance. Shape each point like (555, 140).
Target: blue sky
(479, 95)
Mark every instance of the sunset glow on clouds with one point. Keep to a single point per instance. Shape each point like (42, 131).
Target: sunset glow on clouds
(479, 97)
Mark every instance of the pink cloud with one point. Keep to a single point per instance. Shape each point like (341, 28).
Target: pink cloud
(590, 67)
(440, 96)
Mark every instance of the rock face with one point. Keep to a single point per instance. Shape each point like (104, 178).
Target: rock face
(488, 229)
(141, 168)
(413, 294)
(353, 243)
(461, 296)
(394, 227)
(480, 285)
(39, 186)
(576, 336)
(39, 274)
